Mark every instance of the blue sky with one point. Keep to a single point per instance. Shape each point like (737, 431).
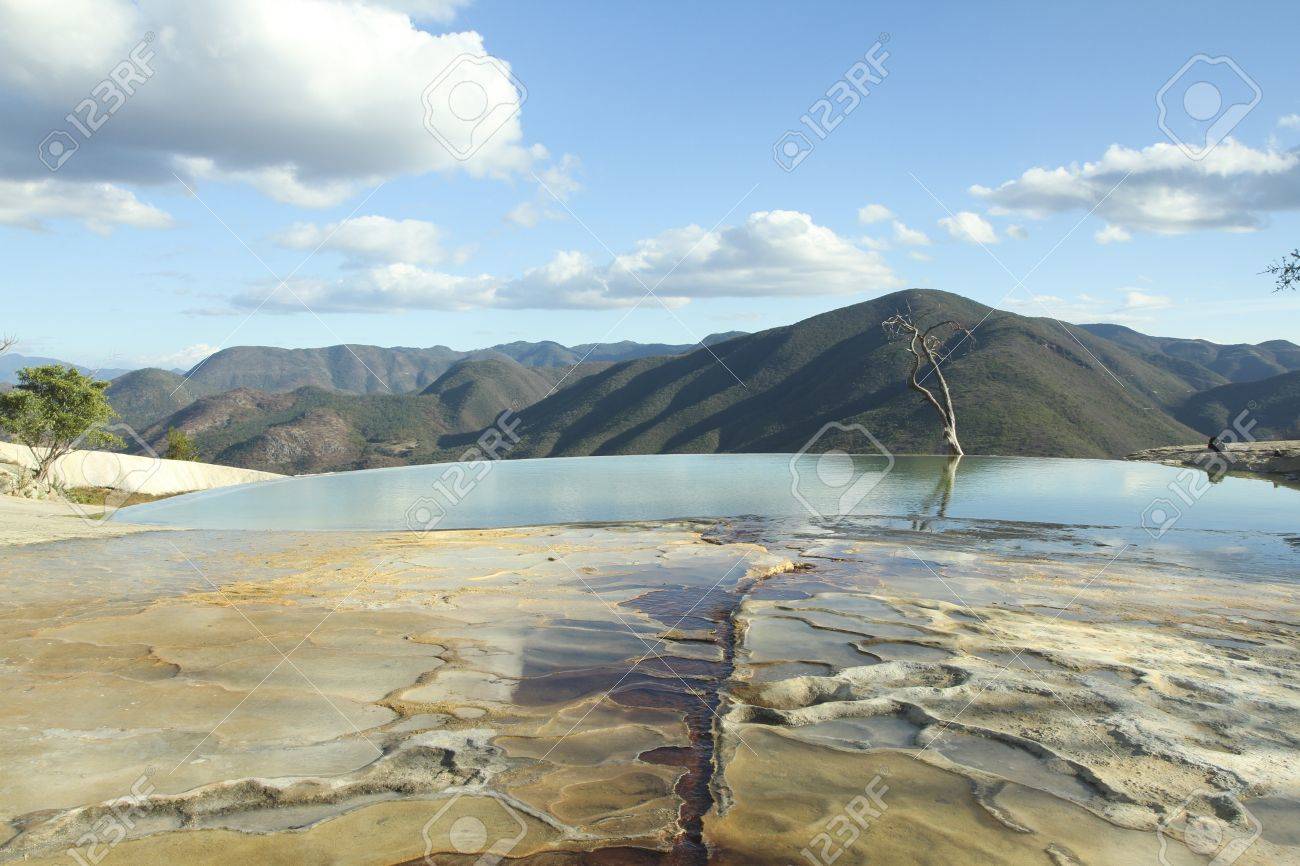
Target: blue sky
(645, 120)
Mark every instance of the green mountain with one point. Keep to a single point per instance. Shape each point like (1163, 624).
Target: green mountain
(353, 369)
(1022, 386)
(1273, 404)
(141, 397)
(144, 397)
(314, 429)
(1202, 363)
(473, 393)
(551, 354)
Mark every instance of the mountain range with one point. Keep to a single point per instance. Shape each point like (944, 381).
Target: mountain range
(1021, 385)
(11, 363)
(142, 397)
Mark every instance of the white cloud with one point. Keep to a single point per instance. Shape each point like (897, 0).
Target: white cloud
(909, 237)
(371, 238)
(874, 213)
(1134, 299)
(385, 289)
(100, 207)
(773, 253)
(1131, 307)
(903, 236)
(183, 359)
(971, 227)
(1112, 235)
(558, 180)
(1017, 232)
(306, 100)
(441, 11)
(918, 256)
(526, 215)
(1289, 121)
(1158, 189)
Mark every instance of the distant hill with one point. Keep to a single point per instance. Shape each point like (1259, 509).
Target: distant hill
(358, 369)
(1272, 403)
(354, 369)
(474, 392)
(549, 354)
(145, 396)
(1204, 364)
(11, 363)
(1023, 386)
(314, 429)
(141, 397)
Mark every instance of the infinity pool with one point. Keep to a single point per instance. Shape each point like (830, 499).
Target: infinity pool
(629, 488)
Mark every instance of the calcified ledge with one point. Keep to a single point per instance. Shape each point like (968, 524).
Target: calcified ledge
(678, 692)
(1277, 457)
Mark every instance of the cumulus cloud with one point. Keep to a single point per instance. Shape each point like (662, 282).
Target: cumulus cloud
(555, 181)
(970, 227)
(1135, 299)
(100, 207)
(371, 238)
(306, 100)
(1289, 121)
(526, 215)
(903, 236)
(1158, 189)
(1017, 232)
(441, 11)
(384, 289)
(1112, 235)
(182, 359)
(910, 237)
(874, 213)
(1125, 306)
(560, 178)
(772, 253)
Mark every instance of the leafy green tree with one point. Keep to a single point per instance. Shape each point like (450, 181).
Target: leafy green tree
(180, 445)
(53, 408)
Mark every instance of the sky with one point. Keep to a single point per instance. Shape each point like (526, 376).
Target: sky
(422, 172)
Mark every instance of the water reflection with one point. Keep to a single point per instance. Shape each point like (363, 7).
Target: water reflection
(935, 504)
(660, 487)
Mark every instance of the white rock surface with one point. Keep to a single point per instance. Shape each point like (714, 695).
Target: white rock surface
(134, 474)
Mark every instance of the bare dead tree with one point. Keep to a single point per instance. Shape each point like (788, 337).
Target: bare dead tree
(1286, 271)
(926, 347)
(7, 343)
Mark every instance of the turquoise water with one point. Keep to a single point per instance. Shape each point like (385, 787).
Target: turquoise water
(592, 489)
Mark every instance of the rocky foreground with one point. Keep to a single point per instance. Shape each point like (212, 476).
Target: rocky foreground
(746, 693)
(1278, 457)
